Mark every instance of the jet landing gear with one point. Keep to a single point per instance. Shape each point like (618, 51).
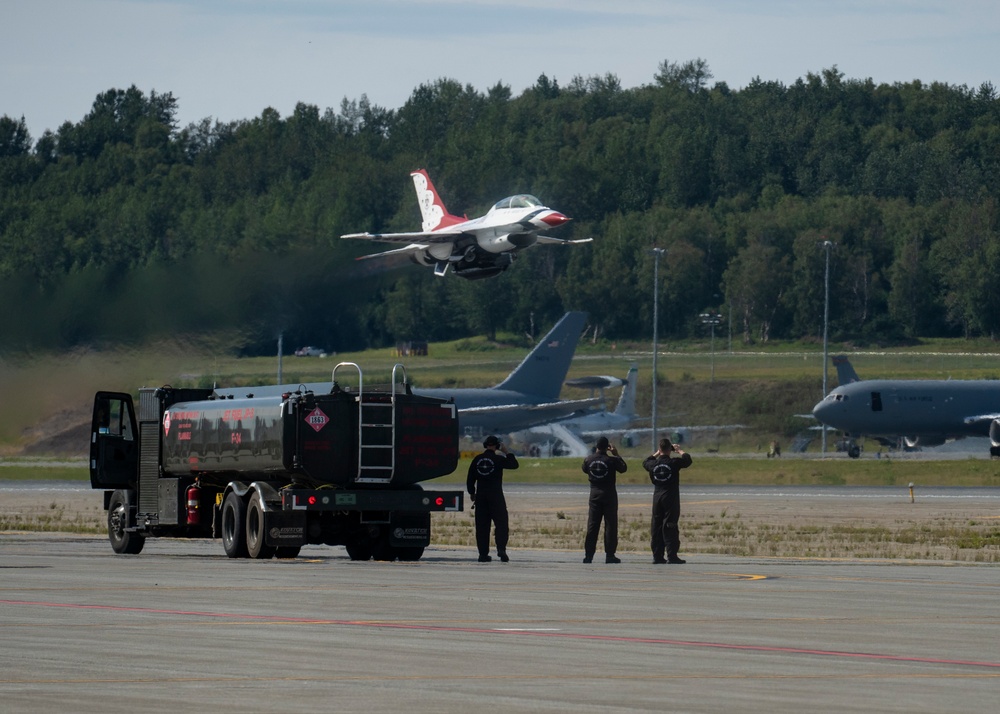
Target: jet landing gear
(850, 447)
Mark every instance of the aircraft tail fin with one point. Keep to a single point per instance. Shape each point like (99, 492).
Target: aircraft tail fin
(626, 402)
(432, 210)
(845, 372)
(542, 372)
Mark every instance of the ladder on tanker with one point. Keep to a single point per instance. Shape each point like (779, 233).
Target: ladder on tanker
(376, 430)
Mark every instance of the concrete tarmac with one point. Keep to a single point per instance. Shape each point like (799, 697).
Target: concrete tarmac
(180, 627)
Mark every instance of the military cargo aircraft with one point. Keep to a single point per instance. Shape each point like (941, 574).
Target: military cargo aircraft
(923, 412)
(474, 248)
(573, 432)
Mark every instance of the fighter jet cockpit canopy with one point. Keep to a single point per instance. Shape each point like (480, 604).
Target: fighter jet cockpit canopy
(522, 200)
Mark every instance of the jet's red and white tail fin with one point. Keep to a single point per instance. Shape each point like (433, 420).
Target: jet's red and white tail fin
(432, 208)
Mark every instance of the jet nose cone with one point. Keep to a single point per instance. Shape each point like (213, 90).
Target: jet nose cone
(555, 218)
(825, 410)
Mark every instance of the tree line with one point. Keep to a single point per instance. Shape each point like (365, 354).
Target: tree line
(125, 226)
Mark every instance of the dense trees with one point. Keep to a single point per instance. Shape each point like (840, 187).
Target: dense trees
(124, 225)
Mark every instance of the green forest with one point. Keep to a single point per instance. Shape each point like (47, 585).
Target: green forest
(124, 227)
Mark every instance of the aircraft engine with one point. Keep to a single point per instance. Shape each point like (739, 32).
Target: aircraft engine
(914, 442)
(473, 263)
(995, 432)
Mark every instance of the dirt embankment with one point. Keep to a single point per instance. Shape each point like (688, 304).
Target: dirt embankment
(65, 434)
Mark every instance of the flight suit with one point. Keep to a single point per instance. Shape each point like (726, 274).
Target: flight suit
(602, 469)
(664, 473)
(485, 485)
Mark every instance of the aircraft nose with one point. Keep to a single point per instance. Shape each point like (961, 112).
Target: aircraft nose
(823, 410)
(555, 218)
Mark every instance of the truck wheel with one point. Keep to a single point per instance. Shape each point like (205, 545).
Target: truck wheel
(287, 551)
(234, 532)
(122, 541)
(257, 546)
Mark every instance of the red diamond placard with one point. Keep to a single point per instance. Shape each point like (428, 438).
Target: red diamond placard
(317, 419)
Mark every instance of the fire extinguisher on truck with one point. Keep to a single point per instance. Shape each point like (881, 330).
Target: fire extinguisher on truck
(270, 474)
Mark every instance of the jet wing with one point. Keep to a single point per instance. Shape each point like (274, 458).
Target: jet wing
(442, 236)
(524, 416)
(559, 241)
(595, 382)
(981, 418)
(411, 248)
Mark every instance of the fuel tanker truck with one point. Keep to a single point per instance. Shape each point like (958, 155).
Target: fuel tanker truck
(269, 474)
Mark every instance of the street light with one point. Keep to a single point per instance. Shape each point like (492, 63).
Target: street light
(656, 252)
(712, 319)
(826, 325)
(281, 340)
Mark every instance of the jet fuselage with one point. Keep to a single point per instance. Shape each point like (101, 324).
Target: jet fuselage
(934, 409)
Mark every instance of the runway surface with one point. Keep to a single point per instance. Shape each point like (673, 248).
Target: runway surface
(181, 627)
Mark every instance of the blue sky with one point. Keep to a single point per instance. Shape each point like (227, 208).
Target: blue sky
(231, 59)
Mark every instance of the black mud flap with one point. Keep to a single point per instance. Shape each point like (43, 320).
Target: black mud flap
(410, 530)
(285, 528)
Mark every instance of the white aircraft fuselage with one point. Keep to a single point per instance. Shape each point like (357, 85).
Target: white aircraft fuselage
(473, 248)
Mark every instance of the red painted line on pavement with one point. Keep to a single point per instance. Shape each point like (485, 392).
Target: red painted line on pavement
(493, 631)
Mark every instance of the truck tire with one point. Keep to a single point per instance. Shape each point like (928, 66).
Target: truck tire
(123, 542)
(257, 546)
(234, 532)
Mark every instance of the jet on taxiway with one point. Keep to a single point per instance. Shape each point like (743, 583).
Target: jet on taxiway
(923, 412)
(474, 248)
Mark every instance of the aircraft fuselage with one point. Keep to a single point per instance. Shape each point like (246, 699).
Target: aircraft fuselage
(939, 409)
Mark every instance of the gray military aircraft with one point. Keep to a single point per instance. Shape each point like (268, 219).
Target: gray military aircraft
(570, 434)
(527, 397)
(530, 394)
(923, 412)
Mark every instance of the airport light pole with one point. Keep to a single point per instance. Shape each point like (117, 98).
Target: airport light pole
(730, 328)
(656, 252)
(712, 319)
(281, 340)
(826, 325)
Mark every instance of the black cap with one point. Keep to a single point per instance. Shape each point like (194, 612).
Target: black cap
(491, 440)
(602, 444)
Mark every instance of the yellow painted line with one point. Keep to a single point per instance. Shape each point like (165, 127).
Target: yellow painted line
(741, 576)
